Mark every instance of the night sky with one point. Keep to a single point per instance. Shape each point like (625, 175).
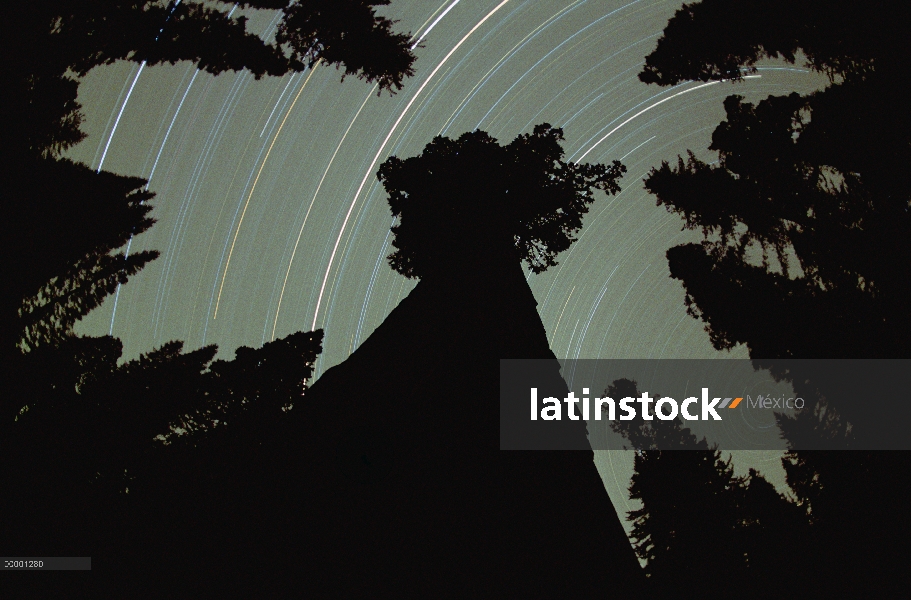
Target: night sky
(271, 219)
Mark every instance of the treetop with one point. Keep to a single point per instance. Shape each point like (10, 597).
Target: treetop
(471, 199)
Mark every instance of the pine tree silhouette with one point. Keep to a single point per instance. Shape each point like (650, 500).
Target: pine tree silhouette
(118, 461)
(701, 527)
(65, 222)
(806, 219)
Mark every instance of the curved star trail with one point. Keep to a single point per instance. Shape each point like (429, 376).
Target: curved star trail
(271, 220)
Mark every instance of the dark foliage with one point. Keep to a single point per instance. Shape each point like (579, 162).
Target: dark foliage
(806, 224)
(797, 219)
(715, 39)
(471, 199)
(81, 35)
(253, 391)
(402, 487)
(65, 223)
(348, 32)
(99, 447)
(807, 197)
(95, 446)
(695, 511)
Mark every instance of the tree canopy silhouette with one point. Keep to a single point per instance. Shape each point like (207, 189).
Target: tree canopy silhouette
(99, 447)
(471, 199)
(805, 221)
(69, 221)
(65, 222)
(714, 39)
(55, 42)
(98, 444)
(807, 196)
(695, 510)
(395, 450)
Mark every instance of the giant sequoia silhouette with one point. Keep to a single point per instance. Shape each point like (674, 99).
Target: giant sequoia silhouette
(403, 486)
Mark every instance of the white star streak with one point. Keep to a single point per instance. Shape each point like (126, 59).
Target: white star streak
(432, 25)
(637, 147)
(120, 114)
(648, 108)
(512, 52)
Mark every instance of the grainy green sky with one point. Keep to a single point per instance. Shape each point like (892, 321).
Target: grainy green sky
(271, 220)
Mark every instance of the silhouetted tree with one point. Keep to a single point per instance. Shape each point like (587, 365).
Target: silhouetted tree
(713, 39)
(64, 222)
(87, 436)
(775, 538)
(82, 402)
(401, 488)
(807, 196)
(471, 199)
(99, 447)
(794, 231)
(249, 395)
(68, 225)
(805, 221)
(701, 527)
(55, 42)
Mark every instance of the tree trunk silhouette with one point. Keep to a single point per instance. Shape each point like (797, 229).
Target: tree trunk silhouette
(402, 485)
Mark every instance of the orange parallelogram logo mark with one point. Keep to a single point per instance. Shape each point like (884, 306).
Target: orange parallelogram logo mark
(732, 404)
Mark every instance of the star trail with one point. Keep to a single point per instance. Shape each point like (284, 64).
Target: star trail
(271, 219)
